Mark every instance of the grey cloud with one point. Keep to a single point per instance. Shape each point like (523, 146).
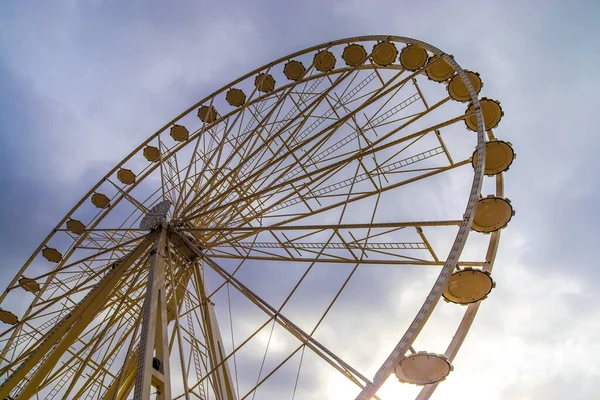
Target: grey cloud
(102, 75)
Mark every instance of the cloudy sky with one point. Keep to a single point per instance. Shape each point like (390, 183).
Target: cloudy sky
(83, 82)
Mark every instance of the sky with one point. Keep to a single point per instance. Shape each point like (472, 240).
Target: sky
(83, 82)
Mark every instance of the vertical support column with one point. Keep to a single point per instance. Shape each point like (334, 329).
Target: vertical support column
(154, 335)
(222, 382)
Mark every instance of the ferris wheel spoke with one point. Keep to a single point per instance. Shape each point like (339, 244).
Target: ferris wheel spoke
(121, 312)
(208, 154)
(272, 151)
(323, 252)
(290, 118)
(77, 265)
(305, 338)
(278, 227)
(322, 192)
(288, 176)
(437, 132)
(347, 261)
(360, 154)
(307, 112)
(45, 305)
(375, 192)
(371, 124)
(320, 137)
(169, 167)
(192, 181)
(339, 103)
(211, 184)
(71, 327)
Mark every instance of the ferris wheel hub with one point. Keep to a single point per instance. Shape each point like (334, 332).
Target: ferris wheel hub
(155, 216)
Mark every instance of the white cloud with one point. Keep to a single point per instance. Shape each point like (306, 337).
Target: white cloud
(104, 86)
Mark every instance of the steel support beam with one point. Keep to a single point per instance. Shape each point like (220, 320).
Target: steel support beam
(154, 342)
(66, 332)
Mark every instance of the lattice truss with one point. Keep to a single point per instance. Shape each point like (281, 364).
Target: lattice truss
(294, 190)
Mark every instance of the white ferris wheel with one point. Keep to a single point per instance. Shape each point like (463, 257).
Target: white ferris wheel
(226, 256)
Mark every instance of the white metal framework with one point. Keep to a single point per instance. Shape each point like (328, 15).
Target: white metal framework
(228, 255)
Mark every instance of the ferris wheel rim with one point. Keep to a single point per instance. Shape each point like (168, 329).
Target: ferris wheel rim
(401, 39)
(477, 179)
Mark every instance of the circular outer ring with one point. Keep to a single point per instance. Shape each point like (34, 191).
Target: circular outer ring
(434, 295)
(413, 57)
(498, 158)
(440, 70)
(8, 317)
(324, 61)
(264, 82)
(75, 226)
(51, 254)
(492, 114)
(235, 97)
(126, 176)
(353, 54)
(151, 154)
(457, 89)
(423, 368)
(293, 70)
(384, 53)
(491, 214)
(455, 291)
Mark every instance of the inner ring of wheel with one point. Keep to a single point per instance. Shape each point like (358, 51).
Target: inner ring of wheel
(459, 241)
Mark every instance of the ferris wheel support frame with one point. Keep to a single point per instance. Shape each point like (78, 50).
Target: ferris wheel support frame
(153, 336)
(156, 317)
(65, 333)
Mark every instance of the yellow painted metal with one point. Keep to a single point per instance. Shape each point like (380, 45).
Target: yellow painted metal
(413, 57)
(29, 284)
(126, 176)
(384, 53)
(458, 90)
(294, 70)
(439, 70)
(120, 387)
(51, 254)
(75, 226)
(249, 197)
(64, 334)
(180, 133)
(354, 54)
(8, 317)
(492, 114)
(100, 200)
(468, 286)
(264, 82)
(152, 153)
(223, 380)
(235, 97)
(224, 385)
(499, 156)
(154, 331)
(324, 61)
(207, 114)
(492, 213)
(423, 368)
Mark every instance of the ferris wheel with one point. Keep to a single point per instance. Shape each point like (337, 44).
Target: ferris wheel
(215, 260)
